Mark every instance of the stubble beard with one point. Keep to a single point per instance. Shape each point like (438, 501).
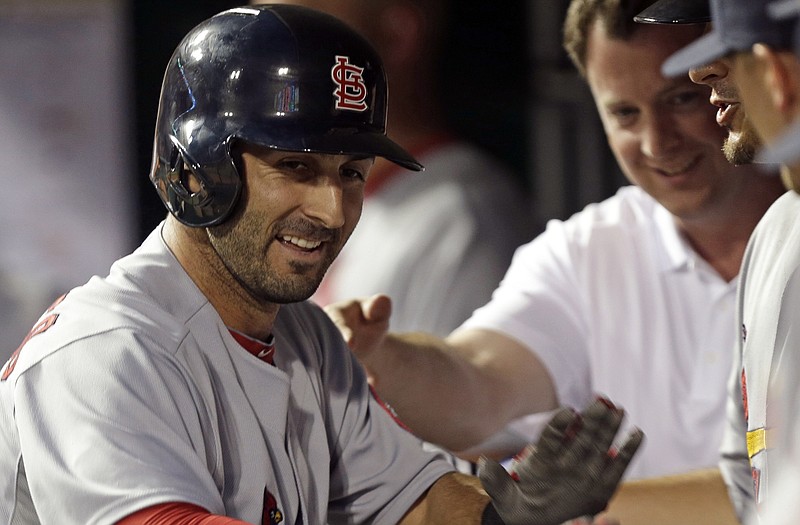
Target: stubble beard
(741, 149)
(245, 259)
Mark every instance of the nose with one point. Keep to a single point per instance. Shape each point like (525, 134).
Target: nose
(661, 137)
(710, 73)
(325, 201)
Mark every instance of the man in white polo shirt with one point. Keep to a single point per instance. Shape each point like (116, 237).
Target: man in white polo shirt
(632, 298)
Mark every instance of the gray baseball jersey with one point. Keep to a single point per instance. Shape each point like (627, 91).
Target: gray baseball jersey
(131, 392)
(769, 298)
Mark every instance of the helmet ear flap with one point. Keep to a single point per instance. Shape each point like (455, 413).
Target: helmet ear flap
(188, 193)
(182, 180)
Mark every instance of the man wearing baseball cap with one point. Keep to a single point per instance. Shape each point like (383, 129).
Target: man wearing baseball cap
(769, 80)
(742, 143)
(750, 48)
(737, 26)
(785, 147)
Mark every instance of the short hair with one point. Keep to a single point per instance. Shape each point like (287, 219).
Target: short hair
(616, 17)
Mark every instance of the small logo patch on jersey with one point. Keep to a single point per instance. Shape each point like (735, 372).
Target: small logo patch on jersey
(756, 473)
(40, 327)
(272, 515)
(350, 92)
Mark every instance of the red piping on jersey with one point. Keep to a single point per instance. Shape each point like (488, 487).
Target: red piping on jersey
(389, 409)
(177, 514)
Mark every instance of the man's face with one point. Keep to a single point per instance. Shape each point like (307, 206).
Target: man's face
(742, 142)
(753, 83)
(766, 103)
(662, 131)
(295, 213)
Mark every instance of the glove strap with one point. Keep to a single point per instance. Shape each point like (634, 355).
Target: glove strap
(490, 516)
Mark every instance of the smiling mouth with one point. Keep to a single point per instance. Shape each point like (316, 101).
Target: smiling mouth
(679, 171)
(304, 244)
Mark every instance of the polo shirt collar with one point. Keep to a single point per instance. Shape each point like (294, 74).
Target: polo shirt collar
(676, 254)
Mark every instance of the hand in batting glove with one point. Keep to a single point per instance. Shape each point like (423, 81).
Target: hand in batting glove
(571, 472)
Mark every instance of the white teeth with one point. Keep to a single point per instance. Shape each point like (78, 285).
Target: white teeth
(302, 243)
(684, 169)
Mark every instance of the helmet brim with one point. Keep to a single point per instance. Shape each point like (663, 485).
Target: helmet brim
(336, 141)
(364, 143)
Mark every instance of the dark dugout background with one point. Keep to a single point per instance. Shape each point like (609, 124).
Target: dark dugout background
(484, 71)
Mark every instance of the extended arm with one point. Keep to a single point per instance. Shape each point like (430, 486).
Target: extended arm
(455, 392)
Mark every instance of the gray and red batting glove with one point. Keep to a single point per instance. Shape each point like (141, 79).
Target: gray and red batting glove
(572, 471)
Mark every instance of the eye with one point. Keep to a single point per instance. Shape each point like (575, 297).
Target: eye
(624, 115)
(353, 173)
(687, 98)
(357, 169)
(291, 164)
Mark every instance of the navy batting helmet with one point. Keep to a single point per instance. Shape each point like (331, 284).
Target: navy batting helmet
(280, 76)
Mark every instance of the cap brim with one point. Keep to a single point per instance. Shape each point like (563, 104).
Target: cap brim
(364, 143)
(786, 149)
(675, 12)
(783, 9)
(303, 136)
(702, 51)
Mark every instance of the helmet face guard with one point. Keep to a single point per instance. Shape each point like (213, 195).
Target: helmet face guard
(280, 76)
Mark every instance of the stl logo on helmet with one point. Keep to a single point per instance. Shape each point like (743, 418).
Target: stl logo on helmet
(350, 92)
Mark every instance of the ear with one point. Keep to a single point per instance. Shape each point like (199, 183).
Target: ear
(778, 76)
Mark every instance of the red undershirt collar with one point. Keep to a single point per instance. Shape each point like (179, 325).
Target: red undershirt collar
(264, 350)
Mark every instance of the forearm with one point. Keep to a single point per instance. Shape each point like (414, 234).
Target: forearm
(460, 391)
(437, 393)
(454, 498)
(698, 497)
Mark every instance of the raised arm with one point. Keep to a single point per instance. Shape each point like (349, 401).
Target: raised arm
(455, 392)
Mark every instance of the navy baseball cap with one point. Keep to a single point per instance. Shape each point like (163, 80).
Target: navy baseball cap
(675, 12)
(783, 9)
(738, 24)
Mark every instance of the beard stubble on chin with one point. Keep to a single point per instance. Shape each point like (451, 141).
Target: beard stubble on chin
(741, 149)
(245, 259)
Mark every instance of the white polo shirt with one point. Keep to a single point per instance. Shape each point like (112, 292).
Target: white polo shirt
(615, 302)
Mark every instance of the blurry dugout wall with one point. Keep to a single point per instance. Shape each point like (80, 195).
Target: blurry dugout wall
(67, 202)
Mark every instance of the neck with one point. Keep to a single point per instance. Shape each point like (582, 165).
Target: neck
(237, 308)
(722, 239)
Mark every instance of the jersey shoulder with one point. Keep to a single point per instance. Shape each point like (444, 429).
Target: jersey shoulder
(145, 296)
